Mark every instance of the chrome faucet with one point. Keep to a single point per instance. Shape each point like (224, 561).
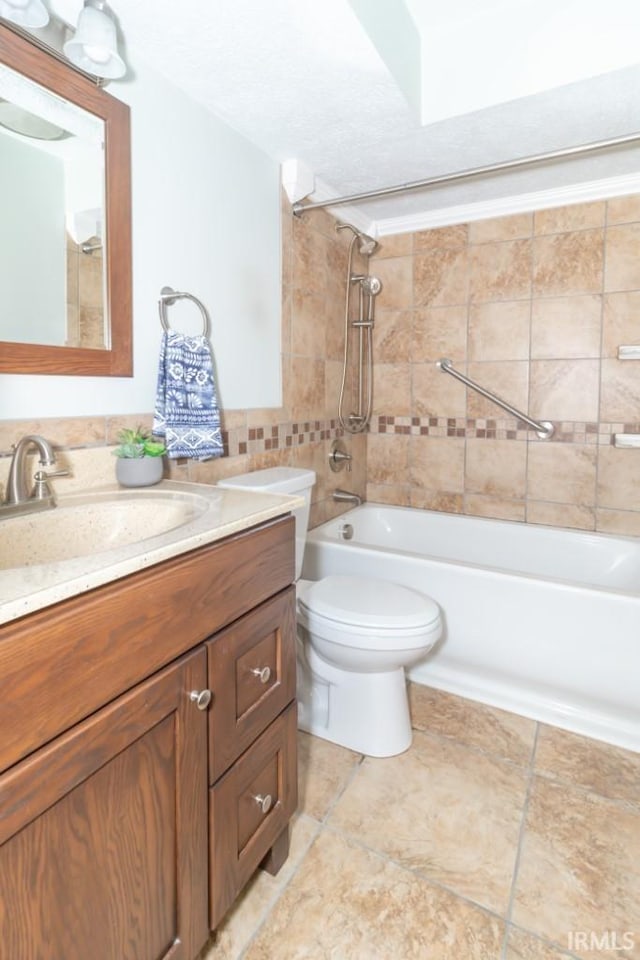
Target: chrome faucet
(19, 497)
(346, 497)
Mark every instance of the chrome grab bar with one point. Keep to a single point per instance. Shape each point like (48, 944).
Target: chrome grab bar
(543, 428)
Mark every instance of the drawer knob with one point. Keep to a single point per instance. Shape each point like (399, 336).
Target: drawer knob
(263, 674)
(201, 698)
(263, 802)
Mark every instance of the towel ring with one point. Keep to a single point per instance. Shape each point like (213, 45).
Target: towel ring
(168, 296)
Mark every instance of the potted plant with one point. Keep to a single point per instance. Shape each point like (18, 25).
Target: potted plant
(139, 458)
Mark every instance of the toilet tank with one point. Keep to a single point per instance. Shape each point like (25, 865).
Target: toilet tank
(285, 480)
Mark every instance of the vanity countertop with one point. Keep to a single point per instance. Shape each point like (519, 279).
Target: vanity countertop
(24, 589)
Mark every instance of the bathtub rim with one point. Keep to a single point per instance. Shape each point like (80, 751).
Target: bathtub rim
(315, 535)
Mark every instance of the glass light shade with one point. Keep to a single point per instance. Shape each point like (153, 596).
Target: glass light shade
(28, 124)
(26, 13)
(94, 47)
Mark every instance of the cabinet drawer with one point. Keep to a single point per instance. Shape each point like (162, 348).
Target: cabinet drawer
(241, 833)
(252, 674)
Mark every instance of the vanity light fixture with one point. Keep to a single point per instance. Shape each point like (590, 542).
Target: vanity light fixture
(26, 13)
(93, 49)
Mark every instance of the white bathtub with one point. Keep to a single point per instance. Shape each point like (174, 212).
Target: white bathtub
(541, 621)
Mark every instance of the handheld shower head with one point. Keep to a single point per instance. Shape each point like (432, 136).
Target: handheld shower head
(366, 244)
(371, 286)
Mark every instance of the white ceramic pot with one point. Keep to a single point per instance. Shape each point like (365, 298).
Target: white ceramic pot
(139, 471)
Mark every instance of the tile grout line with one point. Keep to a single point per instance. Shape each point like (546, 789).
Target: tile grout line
(474, 748)
(622, 803)
(325, 826)
(321, 826)
(601, 358)
(414, 871)
(357, 765)
(547, 943)
(523, 820)
(529, 369)
(387, 858)
(552, 777)
(272, 903)
(467, 351)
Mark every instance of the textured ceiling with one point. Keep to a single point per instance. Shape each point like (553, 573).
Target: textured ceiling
(301, 78)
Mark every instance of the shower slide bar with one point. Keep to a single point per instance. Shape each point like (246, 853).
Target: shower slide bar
(300, 208)
(543, 428)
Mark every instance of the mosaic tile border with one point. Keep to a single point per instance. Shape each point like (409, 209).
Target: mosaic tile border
(281, 436)
(498, 429)
(239, 441)
(236, 440)
(253, 440)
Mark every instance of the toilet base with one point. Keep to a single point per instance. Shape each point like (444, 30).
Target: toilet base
(365, 712)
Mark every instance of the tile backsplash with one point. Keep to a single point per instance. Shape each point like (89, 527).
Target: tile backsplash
(531, 306)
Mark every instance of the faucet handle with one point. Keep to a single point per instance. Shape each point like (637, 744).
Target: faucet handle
(339, 456)
(41, 489)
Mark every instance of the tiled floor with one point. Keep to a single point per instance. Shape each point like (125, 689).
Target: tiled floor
(492, 838)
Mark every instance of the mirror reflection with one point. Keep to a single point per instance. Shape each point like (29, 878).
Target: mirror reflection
(52, 177)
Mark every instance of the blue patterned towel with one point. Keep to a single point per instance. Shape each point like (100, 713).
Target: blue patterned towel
(186, 412)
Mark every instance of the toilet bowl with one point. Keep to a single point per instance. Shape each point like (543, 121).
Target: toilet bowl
(356, 636)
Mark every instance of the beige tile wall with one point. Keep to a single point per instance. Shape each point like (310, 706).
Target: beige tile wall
(298, 434)
(532, 306)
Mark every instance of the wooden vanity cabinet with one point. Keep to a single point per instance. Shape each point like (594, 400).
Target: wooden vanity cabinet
(120, 836)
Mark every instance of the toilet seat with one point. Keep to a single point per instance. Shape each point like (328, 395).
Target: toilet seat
(367, 612)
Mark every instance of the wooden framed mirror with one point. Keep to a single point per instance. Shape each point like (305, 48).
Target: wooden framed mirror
(50, 88)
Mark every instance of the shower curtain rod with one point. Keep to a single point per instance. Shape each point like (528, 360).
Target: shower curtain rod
(299, 208)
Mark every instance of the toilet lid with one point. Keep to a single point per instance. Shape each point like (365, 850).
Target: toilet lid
(366, 602)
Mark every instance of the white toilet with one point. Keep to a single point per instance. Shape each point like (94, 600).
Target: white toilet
(356, 635)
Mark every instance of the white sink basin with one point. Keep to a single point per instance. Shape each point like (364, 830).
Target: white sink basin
(84, 525)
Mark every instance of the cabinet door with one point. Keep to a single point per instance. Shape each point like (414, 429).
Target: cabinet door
(103, 833)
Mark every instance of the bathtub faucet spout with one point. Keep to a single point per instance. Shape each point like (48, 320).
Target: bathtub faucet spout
(346, 497)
